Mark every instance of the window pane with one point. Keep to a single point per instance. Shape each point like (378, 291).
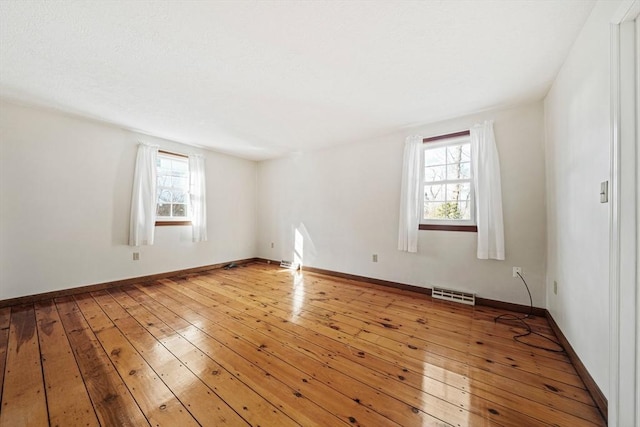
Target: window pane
(179, 182)
(431, 209)
(164, 181)
(450, 210)
(466, 153)
(448, 183)
(459, 171)
(180, 166)
(454, 154)
(447, 210)
(173, 186)
(164, 163)
(458, 192)
(442, 210)
(434, 192)
(163, 210)
(435, 173)
(435, 156)
(179, 197)
(165, 196)
(179, 173)
(464, 207)
(465, 192)
(179, 210)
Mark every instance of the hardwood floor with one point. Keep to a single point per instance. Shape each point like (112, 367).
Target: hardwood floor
(258, 345)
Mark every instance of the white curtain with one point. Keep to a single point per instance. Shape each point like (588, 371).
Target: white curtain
(410, 195)
(488, 192)
(197, 193)
(143, 199)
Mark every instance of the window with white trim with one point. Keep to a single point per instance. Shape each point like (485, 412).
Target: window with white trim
(448, 196)
(172, 187)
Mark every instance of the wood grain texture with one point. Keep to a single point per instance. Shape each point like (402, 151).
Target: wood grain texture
(5, 316)
(590, 383)
(446, 136)
(67, 398)
(23, 398)
(111, 398)
(261, 345)
(445, 227)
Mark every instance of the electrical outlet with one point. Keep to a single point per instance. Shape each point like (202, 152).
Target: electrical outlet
(516, 271)
(555, 287)
(136, 256)
(375, 258)
(271, 245)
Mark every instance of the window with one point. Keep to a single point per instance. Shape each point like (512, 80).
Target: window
(448, 196)
(172, 189)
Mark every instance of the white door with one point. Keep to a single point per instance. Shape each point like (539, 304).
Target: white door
(624, 393)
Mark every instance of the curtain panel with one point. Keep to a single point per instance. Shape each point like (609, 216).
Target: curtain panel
(197, 194)
(488, 192)
(143, 199)
(410, 195)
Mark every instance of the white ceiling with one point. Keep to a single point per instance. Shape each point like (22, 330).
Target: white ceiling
(260, 79)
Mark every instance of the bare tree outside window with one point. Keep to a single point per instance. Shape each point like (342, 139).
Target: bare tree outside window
(172, 187)
(447, 178)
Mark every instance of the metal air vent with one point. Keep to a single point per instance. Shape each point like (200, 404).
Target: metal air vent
(456, 296)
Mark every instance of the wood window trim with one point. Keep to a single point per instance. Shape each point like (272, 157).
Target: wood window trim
(169, 153)
(165, 223)
(447, 136)
(445, 227)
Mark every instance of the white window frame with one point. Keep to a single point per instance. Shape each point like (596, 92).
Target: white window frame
(181, 158)
(454, 140)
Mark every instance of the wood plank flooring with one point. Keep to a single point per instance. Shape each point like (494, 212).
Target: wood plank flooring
(262, 346)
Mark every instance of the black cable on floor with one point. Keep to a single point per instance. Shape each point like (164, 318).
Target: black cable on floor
(508, 317)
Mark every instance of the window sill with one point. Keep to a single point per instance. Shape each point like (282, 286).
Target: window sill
(445, 227)
(163, 223)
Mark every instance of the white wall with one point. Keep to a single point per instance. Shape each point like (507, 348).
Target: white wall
(577, 157)
(65, 194)
(345, 203)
